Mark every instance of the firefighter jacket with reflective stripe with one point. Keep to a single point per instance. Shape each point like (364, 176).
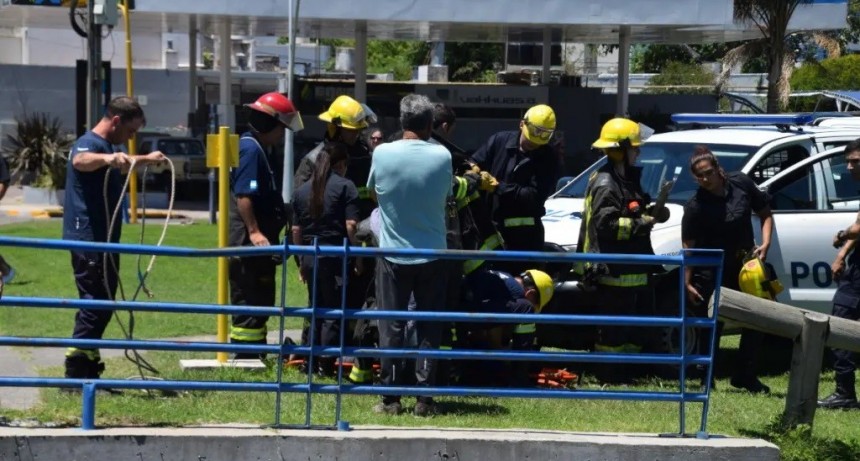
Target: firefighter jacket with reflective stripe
(358, 171)
(612, 223)
(526, 179)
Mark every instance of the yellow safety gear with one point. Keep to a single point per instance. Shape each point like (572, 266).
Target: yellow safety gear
(758, 279)
(347, 113)
(358, 375)
(542, 282)
(248, 334)
(488, 182)
(616, 131)
(490, 243)
(539, 124)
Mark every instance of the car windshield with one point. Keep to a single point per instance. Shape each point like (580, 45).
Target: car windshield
(659, 161)
(180, 147)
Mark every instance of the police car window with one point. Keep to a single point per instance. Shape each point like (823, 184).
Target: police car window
(843, 193)
(659, 160)
(776, 161)
(794, 192)
(831, 144)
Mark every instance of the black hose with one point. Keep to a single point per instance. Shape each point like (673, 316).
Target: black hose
(77, 28)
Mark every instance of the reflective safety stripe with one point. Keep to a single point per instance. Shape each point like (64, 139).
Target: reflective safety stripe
(626, 347)
(625, 228)
(462, 185)
(363, 192)
(92, 354)
(357, 375)
(466, 201)
(626, 280)
(248, 334)
(525, 328)
(519, 222)
(491, 243)
(445, 348)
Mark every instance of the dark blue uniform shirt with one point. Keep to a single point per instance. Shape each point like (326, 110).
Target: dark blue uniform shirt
(84, 216)
(340, 203)
(254, 178)
(848, 287)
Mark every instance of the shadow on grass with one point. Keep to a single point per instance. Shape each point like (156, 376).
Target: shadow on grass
(798, 444)
(465, 407)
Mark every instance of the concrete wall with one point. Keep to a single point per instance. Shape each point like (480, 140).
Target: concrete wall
(52, 89)
(369, 443)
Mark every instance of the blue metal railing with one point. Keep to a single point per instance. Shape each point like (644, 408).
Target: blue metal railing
(681, 359)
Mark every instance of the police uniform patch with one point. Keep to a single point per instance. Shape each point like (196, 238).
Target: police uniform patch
(253, 184)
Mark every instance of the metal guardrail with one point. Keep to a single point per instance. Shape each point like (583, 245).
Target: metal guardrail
(89, 387)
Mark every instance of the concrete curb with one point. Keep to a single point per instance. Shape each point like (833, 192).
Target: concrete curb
(365, 443)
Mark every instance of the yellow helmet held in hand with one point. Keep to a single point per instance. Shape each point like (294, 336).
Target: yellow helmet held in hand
(539, 124)
(347, 113)
(542, 282)
(616, 131)
(759, 279)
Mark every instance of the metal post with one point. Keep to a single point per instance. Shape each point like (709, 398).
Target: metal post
(88, 410)
(361, 61)
(192, 69)
(285, 84)
(94, 64)
(223, 229)
(623, 71)
(546, 56)
(227, 116)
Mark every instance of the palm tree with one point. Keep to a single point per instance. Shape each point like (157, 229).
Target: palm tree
(771, 17)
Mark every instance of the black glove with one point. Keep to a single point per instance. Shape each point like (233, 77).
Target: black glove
(661, 217)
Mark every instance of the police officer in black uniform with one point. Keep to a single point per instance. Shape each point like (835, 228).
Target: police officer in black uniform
(846, 301)
(718, 216)
(257, 214)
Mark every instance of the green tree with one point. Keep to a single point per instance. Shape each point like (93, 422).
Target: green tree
(682, 78)
(771, 17)
(653, 58)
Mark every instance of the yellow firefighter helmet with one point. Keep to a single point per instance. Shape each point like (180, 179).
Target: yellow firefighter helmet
(542, 282)
(759, 279)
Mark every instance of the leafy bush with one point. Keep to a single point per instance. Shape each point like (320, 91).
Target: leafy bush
(830, 74)
(39, 150)
(685, 78)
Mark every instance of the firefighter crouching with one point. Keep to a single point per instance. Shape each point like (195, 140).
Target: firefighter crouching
(496, 292)
(617, 219)
(525, 168)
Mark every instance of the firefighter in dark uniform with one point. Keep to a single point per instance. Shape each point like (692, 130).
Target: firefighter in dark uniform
(345, 119)
(616, 219)
(489, 292)
(846, 301)
(257, 214)
(326, 209)
(525, 168)
(93, 159)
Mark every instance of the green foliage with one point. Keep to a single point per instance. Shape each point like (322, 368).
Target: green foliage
(472, 62)
(40, 148)
(830, 74)
(688, 78)
(396, 56)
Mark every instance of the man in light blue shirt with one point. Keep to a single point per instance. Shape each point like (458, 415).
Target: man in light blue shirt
(411, 179)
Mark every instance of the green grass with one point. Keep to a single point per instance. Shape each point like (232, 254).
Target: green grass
(835, 436)
(48, 273)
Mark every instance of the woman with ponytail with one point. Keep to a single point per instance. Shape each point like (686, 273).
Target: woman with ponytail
(326, 210)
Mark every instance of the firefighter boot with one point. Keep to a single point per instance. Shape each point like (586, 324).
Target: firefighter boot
(80, 366)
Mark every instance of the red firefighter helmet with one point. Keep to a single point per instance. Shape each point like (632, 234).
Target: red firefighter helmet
(279, 107)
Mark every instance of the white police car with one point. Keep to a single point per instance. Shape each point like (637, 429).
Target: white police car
(801, 166)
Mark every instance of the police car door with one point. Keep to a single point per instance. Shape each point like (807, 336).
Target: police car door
(810, 201)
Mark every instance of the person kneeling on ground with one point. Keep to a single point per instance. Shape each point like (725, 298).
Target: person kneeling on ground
(496, 292)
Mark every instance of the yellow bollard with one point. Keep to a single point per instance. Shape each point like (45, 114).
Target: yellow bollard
(223, 227)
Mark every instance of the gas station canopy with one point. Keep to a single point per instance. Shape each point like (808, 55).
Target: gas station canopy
(583, 21)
